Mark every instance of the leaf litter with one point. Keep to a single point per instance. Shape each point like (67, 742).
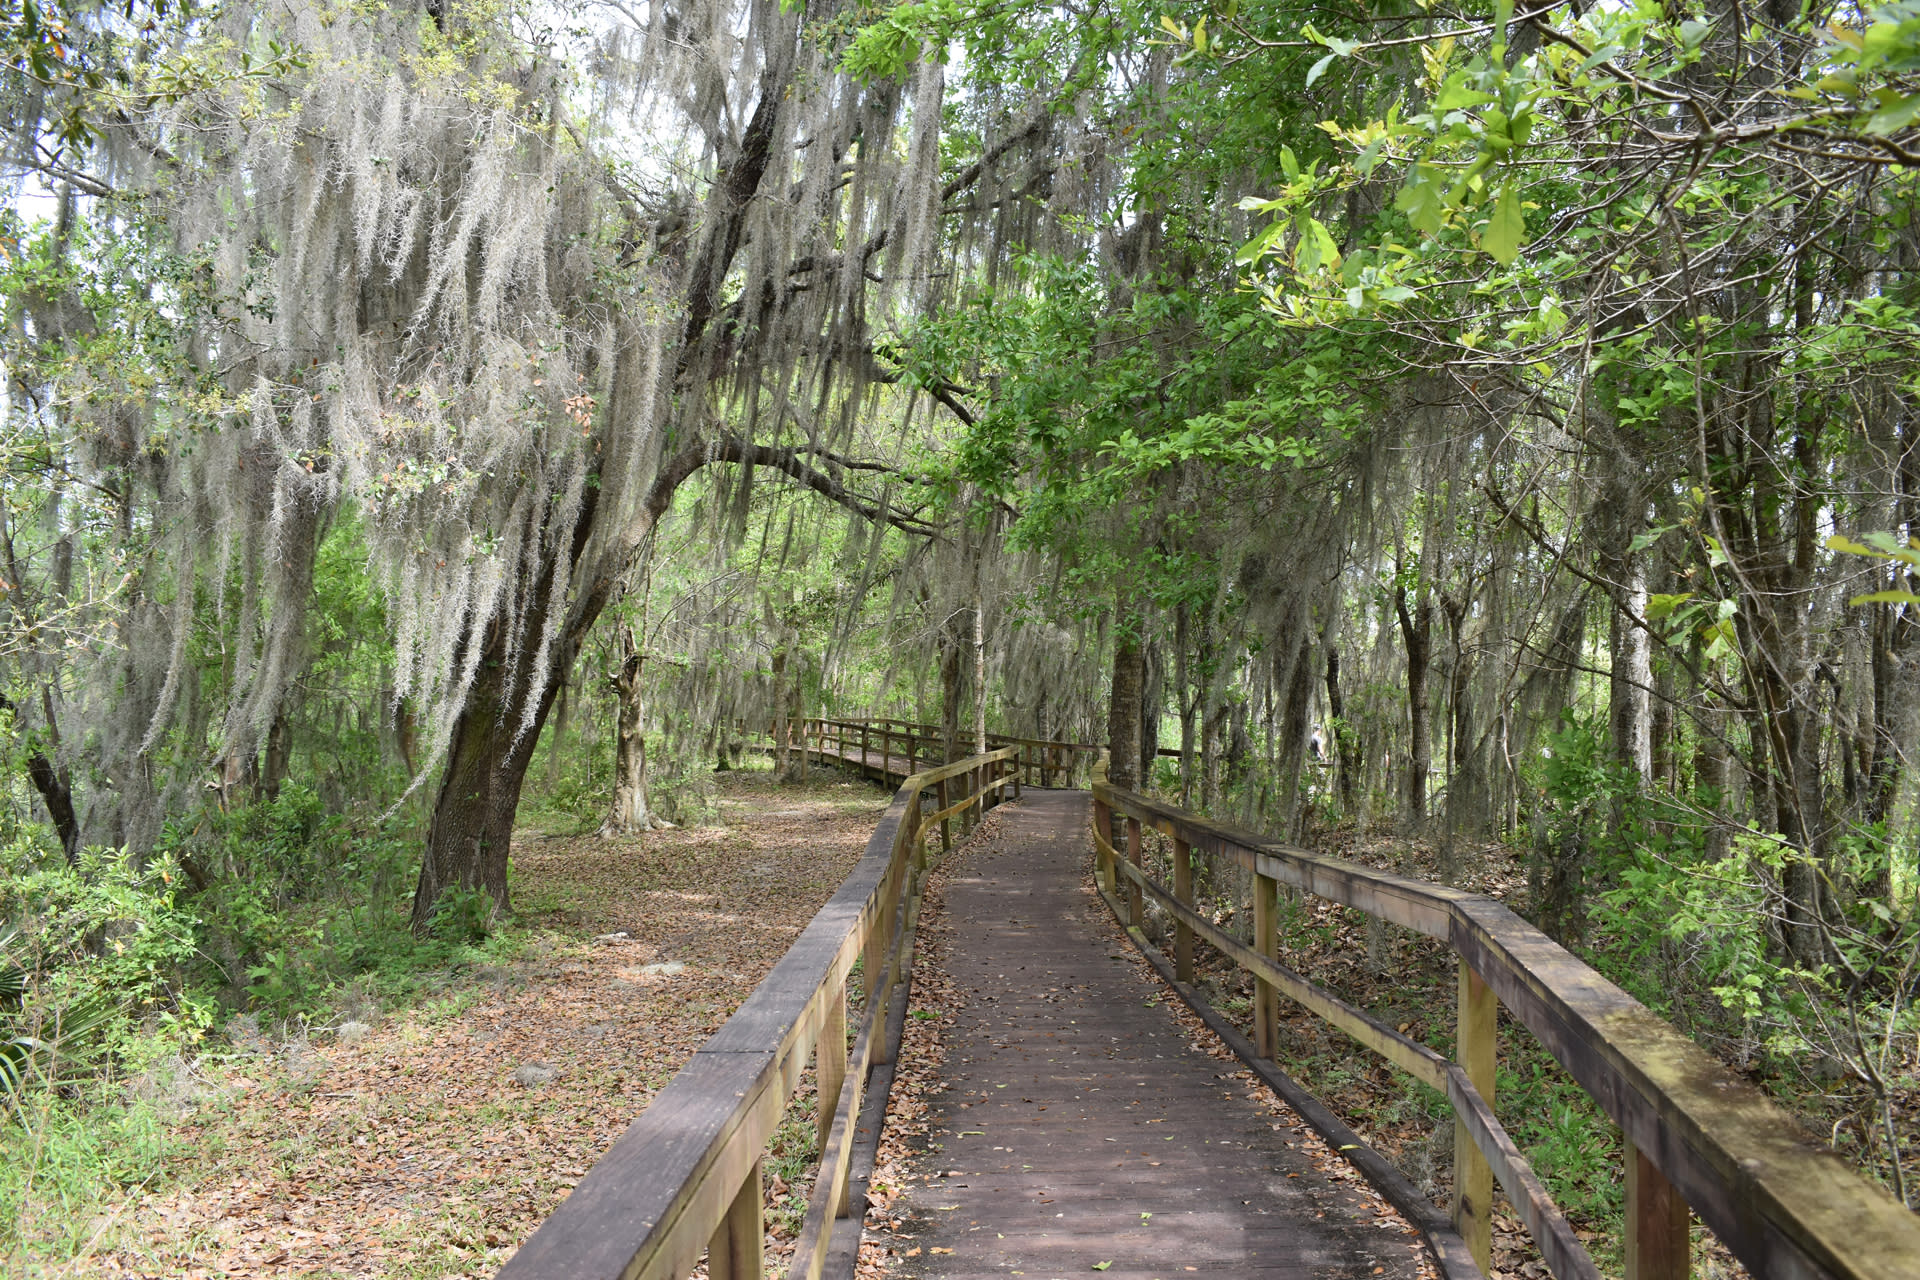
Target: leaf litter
(436, 1142)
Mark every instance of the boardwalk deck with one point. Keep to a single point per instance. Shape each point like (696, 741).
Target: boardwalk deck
(1079, 1127)
(1081, 1130)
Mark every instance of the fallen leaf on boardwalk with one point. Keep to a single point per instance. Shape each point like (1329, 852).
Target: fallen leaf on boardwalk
(1102, 1266)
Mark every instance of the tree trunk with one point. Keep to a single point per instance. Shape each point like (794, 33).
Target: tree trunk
(1212, 719)
(979, 677)
(55, 786)
(781, 728)
(1631, 677)
(1153, 694)
(1416, 631)
(472, 829)
(1189, 701)
(1345, 749)
(1123, 711)
(1296, 721)
(952, 693)
(795, 719)
(278, 756)
(630, 813)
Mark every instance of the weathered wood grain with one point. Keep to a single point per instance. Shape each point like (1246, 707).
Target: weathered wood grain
(1562, 1251)
(672, 1186)
(1086, 1052)
(1786, 1206)
(1450, 1252)
(1416, 1059)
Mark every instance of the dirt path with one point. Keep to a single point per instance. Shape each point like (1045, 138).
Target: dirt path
(1080, 1124)
(432, 1144)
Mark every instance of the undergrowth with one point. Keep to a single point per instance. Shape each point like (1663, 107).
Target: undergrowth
(137, 982)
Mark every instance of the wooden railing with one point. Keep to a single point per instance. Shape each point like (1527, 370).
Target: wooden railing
(1043, 762)
(1696, 1134)
(685, 1177)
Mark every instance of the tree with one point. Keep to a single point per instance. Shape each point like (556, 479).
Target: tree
(428, 290)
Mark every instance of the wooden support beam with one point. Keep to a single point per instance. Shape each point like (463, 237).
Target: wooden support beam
(1103, 850)
(735, 1252)
(830, 1062)
(1266, 941)
(946, 824)
(1183, 890)
(1472, 1175)
(1136, 904)
(1659, 1242)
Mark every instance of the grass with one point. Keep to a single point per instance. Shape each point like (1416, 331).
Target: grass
(66, 1157)
(185, 1168)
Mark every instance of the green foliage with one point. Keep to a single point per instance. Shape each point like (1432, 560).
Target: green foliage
(1572, 1145)
(65, 1153)
(1889, 549)
(463, 915)
(98, 952)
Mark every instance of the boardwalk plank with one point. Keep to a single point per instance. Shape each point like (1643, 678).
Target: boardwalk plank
(1135, 1121)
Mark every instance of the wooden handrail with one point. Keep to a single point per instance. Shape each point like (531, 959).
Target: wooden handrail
(685, 1177)
(1042, 762)
(1785, 1206)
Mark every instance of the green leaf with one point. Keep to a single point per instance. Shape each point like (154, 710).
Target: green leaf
(1423, 201)
(1102, 1266)
(1290, 163)
(1886, 597)
(1502, 15)
(1257, 247)
(1660, 605)
(1316, 248)
(1891, 119)
(1319, 68)
(1506, 228)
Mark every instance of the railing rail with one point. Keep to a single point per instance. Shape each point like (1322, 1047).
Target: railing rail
(685, 1177)
(1043, 762)
(1697, 1135)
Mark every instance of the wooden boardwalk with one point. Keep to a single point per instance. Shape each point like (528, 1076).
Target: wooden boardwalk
(1078, 1126)
(1080, 1129)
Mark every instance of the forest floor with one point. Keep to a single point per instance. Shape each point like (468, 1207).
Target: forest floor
(429, 1141)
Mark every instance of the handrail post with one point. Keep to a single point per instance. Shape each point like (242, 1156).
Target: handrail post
(866, 742)
(1475, 1051)
(919, 859)
(1136, 904)
(1266, 940)
(1183, 890)
(736, 1249)
(1659, 1243)
(892, 919)
(830, 1062)
(946, 823)
(1102, 837)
